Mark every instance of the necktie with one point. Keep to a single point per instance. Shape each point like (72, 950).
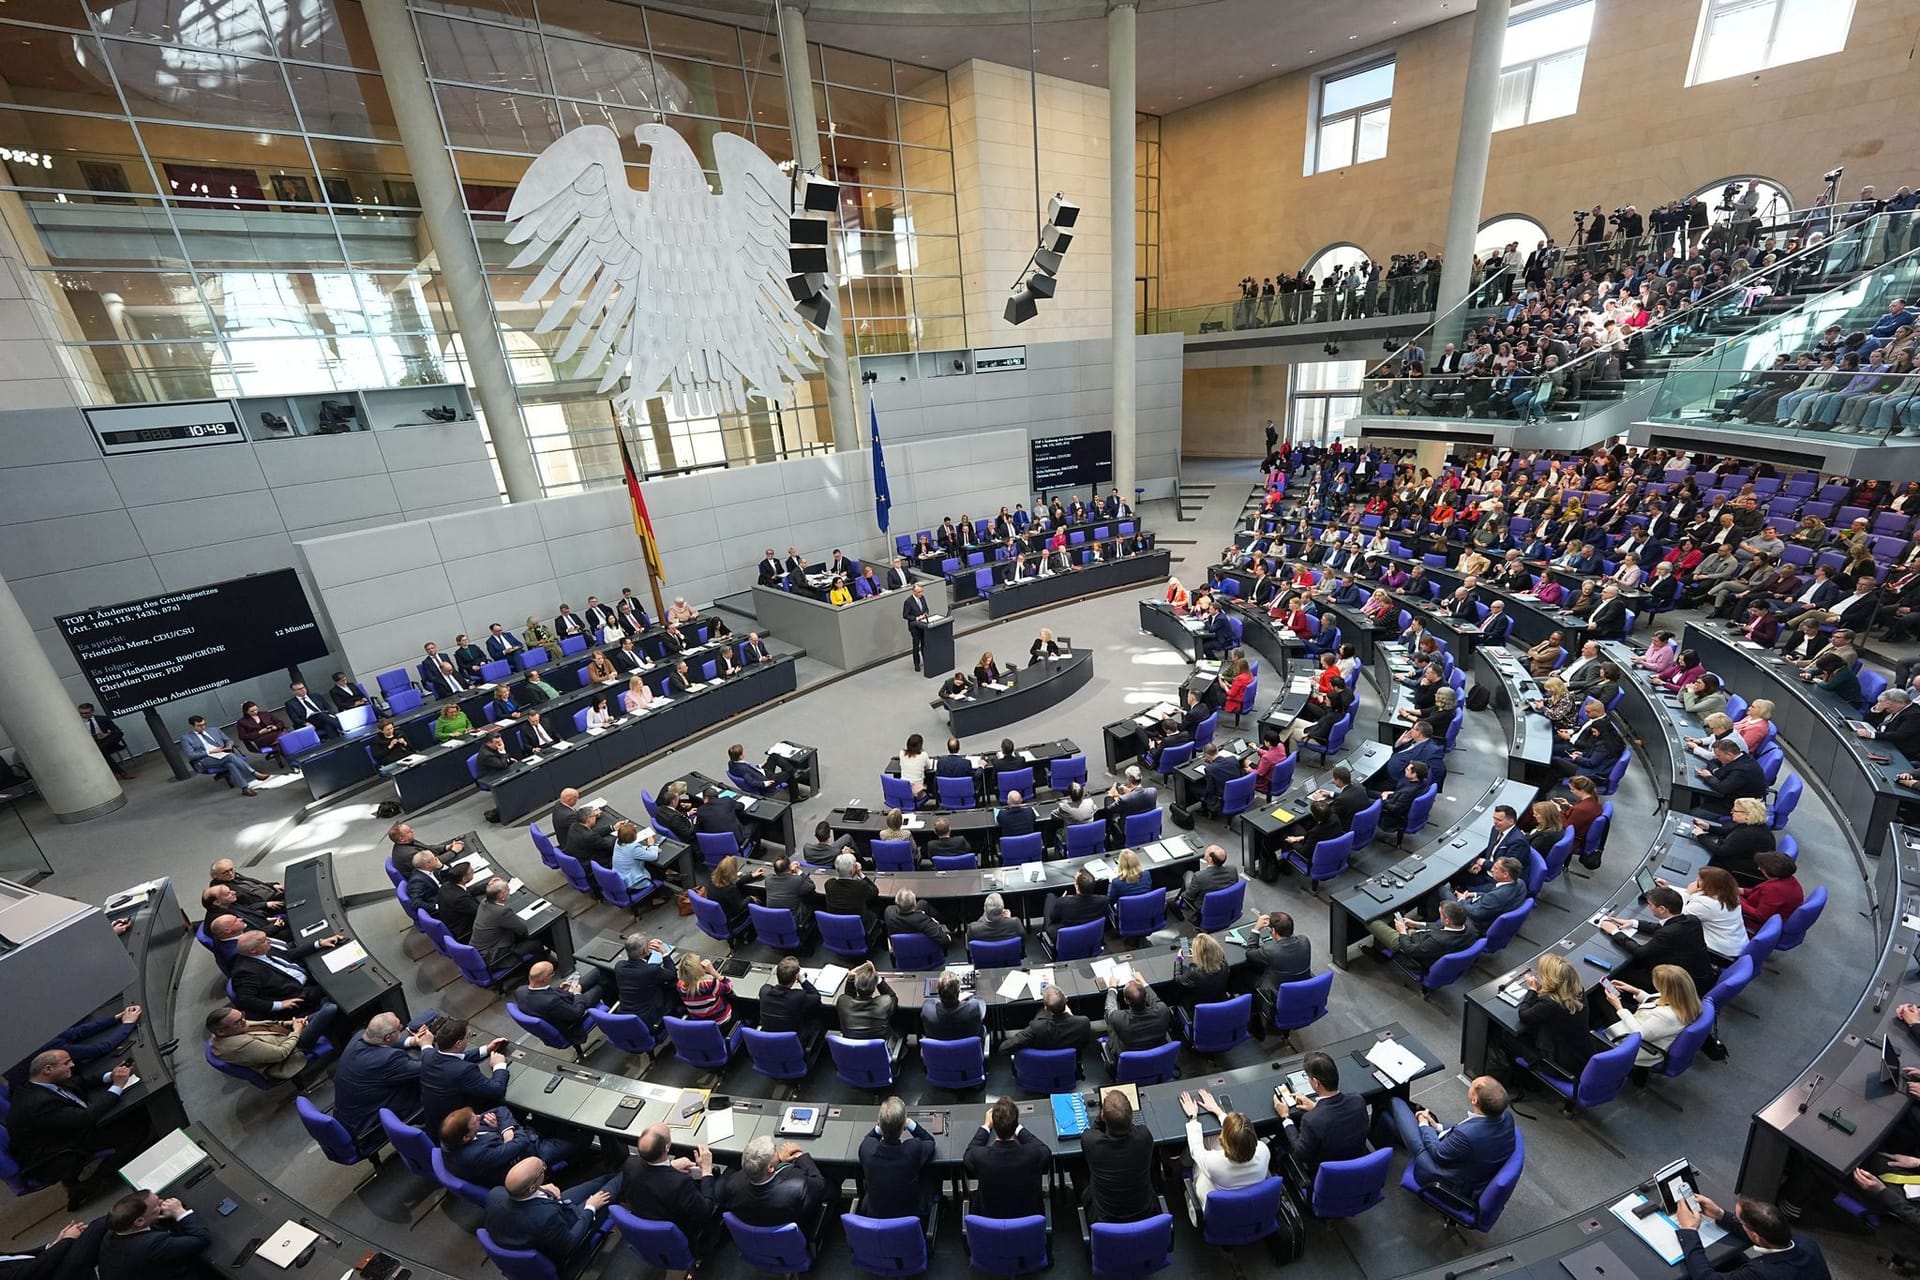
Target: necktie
(72, 1097)
(308, 704)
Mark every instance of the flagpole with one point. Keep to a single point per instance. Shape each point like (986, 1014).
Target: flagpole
(631, 474)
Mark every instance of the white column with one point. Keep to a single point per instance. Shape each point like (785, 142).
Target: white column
(838, 371)
(1470, 160)
(67, 767)
(1120, 172)
(443, 209)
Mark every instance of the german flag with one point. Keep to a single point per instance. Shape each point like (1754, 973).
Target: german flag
(642, 522)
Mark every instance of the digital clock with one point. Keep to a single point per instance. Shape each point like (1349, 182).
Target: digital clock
(136, 428)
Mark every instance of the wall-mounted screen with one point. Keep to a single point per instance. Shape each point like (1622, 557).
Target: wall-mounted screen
(1072, 462)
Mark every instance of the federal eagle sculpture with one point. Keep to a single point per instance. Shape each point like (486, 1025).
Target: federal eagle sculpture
(677, 289)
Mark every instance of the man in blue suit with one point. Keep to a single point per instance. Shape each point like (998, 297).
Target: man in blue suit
(1496, 625)
(528, 1212)
(452, 1075)
(304, 709)
(502, 643)
(437, 675)
(1593, 749)
(380, 1068)
(745, 774)
(1218, 637)
(1462, 1157)
(483, 1147)
(152, 1238)
(209, 750)
(1417, 744)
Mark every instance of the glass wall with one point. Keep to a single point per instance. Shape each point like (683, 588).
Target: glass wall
(216, 194)
(1321, 396)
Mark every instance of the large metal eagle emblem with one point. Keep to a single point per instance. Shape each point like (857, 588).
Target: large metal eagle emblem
(679, 290)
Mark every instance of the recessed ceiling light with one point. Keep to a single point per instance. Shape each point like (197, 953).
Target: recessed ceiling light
(1353, 37)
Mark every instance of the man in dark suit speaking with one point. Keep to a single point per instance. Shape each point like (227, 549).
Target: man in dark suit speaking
(914, 610)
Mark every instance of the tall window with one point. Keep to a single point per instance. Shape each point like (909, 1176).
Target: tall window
(1322, 395)
(1544, 58)
(1352, 117)
(1741, 36)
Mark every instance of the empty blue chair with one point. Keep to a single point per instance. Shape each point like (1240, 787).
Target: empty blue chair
(473, 966)
(1066, 771)
(1084, 839)
(1142, 828)
(1077, 942)
(1770, 758)
(700, 1044)
(1794, 932)
(1336, 739)
(782, 1250)
(627, 1032)
(1217, 1027)
(1148, 1066)
(716, 847)
(1366, 825)
(1243, 1215)
(774, 927)
(1203, 733)
(712, 920)
(496, 671)
(915, 951)
(845, 936)
(1219, 909)
(1123, 1249)
(999, 953)
(1006, 1246)
(1009, 780)
(1761, 944)
(1419, 812)
(335, 1142)
(1015, 850)
(528, 659)
(1329, 859)
(294, 741)
(1448, 968)
(1482, 1213)
(1348, 1188)
(1600, 1080)
(1046, 1070)
(392, 682)
(956, 1065)
(404, 701)
(1237, 797)
(1300, 1004)
(897, 793)
(893, 855)
(1171, 758)
(1785, 801)
(660, 1245)
(1138, 914)
(886, 1246)
(779, 1055)
(955, 793)
(864, 1064)
(1506, 926)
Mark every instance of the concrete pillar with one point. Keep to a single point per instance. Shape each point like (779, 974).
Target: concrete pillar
(838, 370)
(444, 212)
(1121, 16)
(67, 767)
(1470, 163)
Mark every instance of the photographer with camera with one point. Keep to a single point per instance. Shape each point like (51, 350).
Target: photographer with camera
(1590, 229)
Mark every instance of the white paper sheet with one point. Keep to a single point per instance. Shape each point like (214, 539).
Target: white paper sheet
(718, 1126)
(343, 956)
(532, 909)
(1013, 984)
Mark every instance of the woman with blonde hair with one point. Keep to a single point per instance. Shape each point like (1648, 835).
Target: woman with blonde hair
(1202, 979)
(1239, 1161)
(1553, 1016)
(1176, 595)
(704, 990)
(1130, 877)
(1735, 846)
(1659, 1016)
(1547, 826)
(1752, 727)
(637, 698)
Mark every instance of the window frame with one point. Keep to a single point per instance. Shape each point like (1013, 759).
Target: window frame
(1709, 9)
(1356, 114)
(1532, 65)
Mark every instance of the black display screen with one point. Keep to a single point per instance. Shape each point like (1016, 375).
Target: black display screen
(145, 652)
(1077, 461)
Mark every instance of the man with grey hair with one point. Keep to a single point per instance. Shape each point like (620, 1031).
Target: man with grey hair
(866, 1005)
(850, 893)
(1418, 945)
(906, 915)
(894, 1157)
(775, 1185)
(1608, 621)
(499, 934)
(380, 1068)
(995, 924)
(1891, 720)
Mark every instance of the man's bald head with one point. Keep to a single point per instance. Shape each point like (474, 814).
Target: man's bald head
(252, 942)
(525, 1177)
(654, 1142)
(227, 928)
(540, 975)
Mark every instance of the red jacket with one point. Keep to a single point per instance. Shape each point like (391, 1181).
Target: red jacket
(1771, 898)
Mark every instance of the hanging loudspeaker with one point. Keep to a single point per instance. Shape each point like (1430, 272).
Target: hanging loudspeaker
(1021, 307)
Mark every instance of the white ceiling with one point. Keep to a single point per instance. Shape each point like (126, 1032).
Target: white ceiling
(1188, 50)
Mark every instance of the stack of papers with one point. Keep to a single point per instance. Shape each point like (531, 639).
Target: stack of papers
(343, 956)
(1013, 985)
(1394, 1058)
(1658, 1229)
(1099, 869)
(1116, 972)
(827, 978)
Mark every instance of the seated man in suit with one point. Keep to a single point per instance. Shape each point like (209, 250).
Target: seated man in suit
(590, 838)
(1331, 1126)
(482, 1146)
(268, 979)
(945, 844)
(493, 758)
(1733, 775)
(681, 1190)
(222, 900)
(793, 1004)
(1671, 937)
(906, 915)
(1055, 1026)
(406, 843)
(347, 694)
(754, 650)
(1125, 798)
(1505, 889)
(1417, 745)
(1464, 1158)
(208, 750)
(769, 570)
(1136, 1019)
(745, 774)
(380, 1067)
(1893, 720)
(1593, 748)
(953, 764)
(499, 934)
(277, 1050)
(1015, 817)
(561, 1005)
(423, 885)
(1220, 769)
(726, 815)
(106, 735)
(1078, 905)
(645, 979)
(946, 1016)
(777, 1184)
(894, 1159)
(74, 1254)
(459, 901)
(456, 1073)
(528, 1212)
(568, 623)
(1283, 955)
(1213, 873)
(994, 923)
(1762, 1227)
(153, 1239)
(850, 893)
(58, 1125)
(501, 643)
(1009, 1165)
(1418, 945)
(437, 675)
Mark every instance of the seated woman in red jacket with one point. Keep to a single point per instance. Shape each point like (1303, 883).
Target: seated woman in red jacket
(258, 729)
(1237, 675)
(1779, 894)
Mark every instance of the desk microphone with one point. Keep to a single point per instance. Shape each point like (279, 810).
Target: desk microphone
(1502, 1260)
(1880, 995)
(1812, 1086)
(291, 905)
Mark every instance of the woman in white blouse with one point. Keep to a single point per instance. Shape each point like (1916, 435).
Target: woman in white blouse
(638, 697)
(1714, 899)
(1239, 1161)
(1671, 1009)
(915, 763)
(598, 716)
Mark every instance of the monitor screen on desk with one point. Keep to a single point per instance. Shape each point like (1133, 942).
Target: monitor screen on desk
(1889, 1061)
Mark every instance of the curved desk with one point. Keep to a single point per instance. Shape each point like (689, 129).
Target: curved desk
(361, 987)
(1009, 598)
(1658, 722)
(1037, 686)
(1815, 724)
(1529, 732)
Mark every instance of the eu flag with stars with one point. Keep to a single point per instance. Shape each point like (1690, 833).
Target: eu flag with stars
(882, 498)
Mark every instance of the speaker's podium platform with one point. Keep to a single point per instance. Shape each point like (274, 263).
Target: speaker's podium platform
(936, 644)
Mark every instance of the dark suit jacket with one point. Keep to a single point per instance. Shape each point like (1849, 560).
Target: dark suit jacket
(485, 1161)
(60, 1259)
(372, 1076)
(894, 1173)
(1010, 1174)
(1282, 960)
(794, 1193)
(646, 990)
(721, 817)
(257, 985)
(1678, 940)
(169, 1250)
(1468, 1156)
(1429, 752)
(1336, 1129)
(1064, 910)
(299, 716)
(796, 1008)
(1803, 1261)
(345, 696)
(1119, 1173)
(1737, 778)
(563, 1010)
(449, 1081)
(1016, 820)
(1048, 1031)
(968, 1019)
(662, 1192)
(1609, 620)
(560, 822)
(590, 843)
(44, 1125)
(846, 896)
(552, 1228)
